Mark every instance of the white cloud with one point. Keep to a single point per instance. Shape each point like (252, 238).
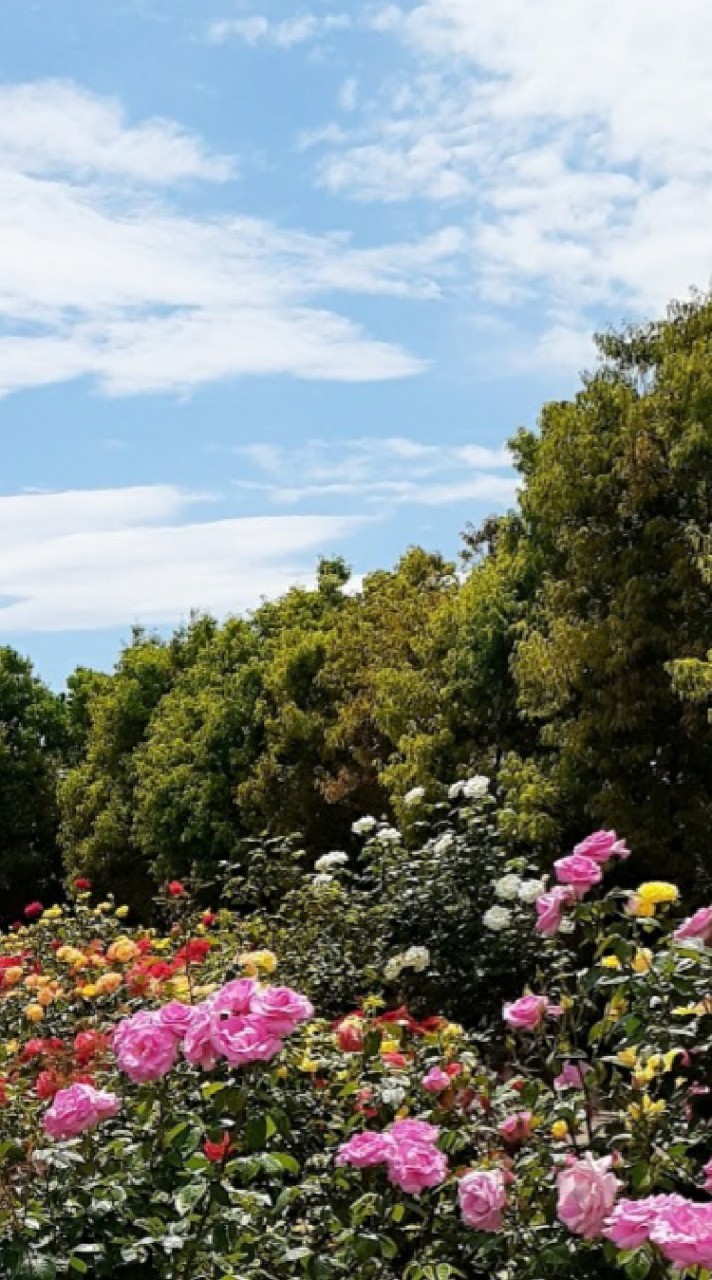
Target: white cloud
(98, 281)
(55, 126)
(381, 473)
(571, 142)
(284, 33)
(96, 559)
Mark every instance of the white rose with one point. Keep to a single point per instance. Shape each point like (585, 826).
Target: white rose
(417, 958)
(497, 919)
(475, 788)
(530, 890)
(393, 968)
(322, 879)
(362, 826)
(414, 796)
(389, 834)
(327, 860)
(508, 887)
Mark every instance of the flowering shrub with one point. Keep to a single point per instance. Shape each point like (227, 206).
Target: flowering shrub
(170, 1109)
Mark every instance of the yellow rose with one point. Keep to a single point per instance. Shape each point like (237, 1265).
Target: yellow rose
(627, 1057)
(122, 912)
(123, 950)
(611, 962)
(646, 1109)
(266, 961)
(89, 992)
(559, 1130)
(45, 997)
(34, 1012)
(640, 907)
(642, 960)
(13, 975)
(108, 983)
(657, 892)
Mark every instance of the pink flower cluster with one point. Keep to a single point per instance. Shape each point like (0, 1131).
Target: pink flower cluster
(529, 1012)
(576, 874)
(682, 1229)
(408, 1150)
(78, 1108)
(242, 1023)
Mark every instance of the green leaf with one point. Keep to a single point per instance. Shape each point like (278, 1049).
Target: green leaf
(188, 1197)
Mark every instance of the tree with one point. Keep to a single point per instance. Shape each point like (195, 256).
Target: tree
(98, 793)
(616, 484)
(201, 744)
(32, 737)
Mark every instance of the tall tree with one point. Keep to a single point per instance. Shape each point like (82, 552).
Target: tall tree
(32, 738)
(617, 483)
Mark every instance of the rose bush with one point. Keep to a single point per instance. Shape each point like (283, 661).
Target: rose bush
(172, 1109)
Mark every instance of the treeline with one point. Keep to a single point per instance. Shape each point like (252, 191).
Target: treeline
(567, 657)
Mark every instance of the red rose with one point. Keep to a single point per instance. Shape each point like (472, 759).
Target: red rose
(82, 883)
(48, 1083)
(208, 918)
(33, 910)
(175, 888)
(395, 1060)
(217, 1151)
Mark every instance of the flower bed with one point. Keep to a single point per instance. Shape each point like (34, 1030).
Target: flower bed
(170, 1111)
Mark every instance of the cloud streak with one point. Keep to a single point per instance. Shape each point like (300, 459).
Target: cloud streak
(101, 280)
(89, 560)
(380, 474)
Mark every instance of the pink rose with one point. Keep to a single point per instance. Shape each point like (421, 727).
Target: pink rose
(415, 1131)
(578, 871)
(413, 1166)
(528, 1013)
(436, 1080)
(365, 1150)
(516, 1128)
(587, 1193)
(550, 909)
(78, 1108)
(631, 1221)
(697, 926)
(237, 996)
(198, 1047)
(282, 1009)
(572, 1075)
(244, 1040)
(601, 846)
(683, 1233)
(482, 1197)
(176, 1017)
(145, 1049)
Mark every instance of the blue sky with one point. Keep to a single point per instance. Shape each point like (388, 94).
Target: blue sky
(278, 279)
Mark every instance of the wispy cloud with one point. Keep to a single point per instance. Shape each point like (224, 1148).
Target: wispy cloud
(380, 473)
(100, 280)
(87, 560)
(572, 144)
(284, 33)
